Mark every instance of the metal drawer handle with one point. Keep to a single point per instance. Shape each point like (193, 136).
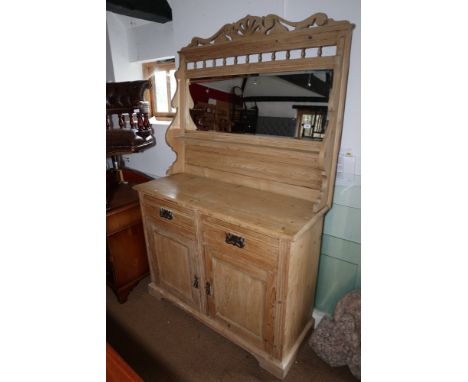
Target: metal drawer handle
(208, 288)
(166, 214)
(238, 241)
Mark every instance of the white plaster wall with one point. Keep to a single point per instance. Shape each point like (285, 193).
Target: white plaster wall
(109, 65)
(156, 160)
(124, 70)
(151, 41)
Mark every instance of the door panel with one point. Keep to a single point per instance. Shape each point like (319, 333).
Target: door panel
(174, 264)
(230, 300)
(173, 259)
(242, 297)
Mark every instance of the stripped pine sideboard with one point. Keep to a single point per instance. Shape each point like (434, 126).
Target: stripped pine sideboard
(233, 232)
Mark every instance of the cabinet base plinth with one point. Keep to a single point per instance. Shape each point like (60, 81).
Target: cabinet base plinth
(154, 291)
(279, 368)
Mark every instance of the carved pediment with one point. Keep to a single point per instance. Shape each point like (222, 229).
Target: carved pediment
(255, 25)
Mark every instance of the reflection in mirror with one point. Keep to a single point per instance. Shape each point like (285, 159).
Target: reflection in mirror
(284, 104)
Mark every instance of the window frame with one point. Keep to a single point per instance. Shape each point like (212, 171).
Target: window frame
(148, 72)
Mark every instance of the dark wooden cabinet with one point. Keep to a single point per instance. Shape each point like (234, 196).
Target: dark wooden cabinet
(126, 259)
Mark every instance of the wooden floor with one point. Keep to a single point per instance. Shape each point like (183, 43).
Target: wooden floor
(163, 343)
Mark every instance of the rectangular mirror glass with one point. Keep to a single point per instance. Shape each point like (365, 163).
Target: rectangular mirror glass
(289, 104)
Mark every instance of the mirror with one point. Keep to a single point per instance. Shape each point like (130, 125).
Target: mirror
(289, 104)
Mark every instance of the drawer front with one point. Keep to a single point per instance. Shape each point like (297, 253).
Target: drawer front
(170, 215)
(124, 218)
(242, 242)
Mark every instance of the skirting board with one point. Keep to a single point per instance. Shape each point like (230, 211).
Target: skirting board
(318, 315)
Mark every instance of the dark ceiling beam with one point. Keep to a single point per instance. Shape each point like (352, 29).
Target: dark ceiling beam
(157, 11)
(284, 99)
(302, 80)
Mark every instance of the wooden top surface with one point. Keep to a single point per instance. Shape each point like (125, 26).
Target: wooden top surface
(267, 212)
(120, 197)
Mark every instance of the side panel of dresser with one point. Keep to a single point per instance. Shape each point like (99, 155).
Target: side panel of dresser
(300, 278)
(172, 250)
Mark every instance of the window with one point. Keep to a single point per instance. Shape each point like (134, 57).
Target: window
(161, 74)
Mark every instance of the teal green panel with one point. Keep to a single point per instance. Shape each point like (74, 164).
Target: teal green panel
(348, 194)
(341, 249)
(335, 279)
(343, 222)
(358, 278)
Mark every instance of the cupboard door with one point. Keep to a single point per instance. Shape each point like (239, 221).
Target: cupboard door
(174, 266)
(241, 296)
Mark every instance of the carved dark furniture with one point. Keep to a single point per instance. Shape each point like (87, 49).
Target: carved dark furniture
(126, 107)
(127, 261)
(126, 256)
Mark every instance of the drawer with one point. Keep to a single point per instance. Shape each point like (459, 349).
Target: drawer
(122, 218)
(169, 215)
(240, 241)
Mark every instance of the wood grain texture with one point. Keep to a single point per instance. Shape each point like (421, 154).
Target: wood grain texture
(124, 217)
(293, 65)
(173, 260)
(255, 27)
(271, 193)
(182, 218)
(256, 165)
(259, 184)
(239, 297)
(128, 256)
(301, 281)
(255, 36)
(242, 296)
(256, 250)
(174, 264)
(253, 142)
(125, 245)
(262, 211)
